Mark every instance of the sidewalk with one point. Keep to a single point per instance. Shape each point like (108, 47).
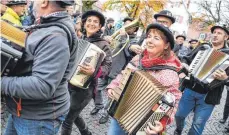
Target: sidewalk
(213, 127)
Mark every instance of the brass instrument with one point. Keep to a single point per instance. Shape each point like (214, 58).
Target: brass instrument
(114, 43)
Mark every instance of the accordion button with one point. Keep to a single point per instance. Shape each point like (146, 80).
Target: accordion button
(16, 59)
(5, 74)
(160, 102)
(7, 70)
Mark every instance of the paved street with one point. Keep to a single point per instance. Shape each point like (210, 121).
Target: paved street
(213, 126)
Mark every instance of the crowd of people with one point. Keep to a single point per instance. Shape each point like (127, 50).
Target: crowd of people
(41, 100)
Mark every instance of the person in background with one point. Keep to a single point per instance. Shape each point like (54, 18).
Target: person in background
(165, 18)
(16, 9)
(28, 18)
(193, 43)
(108, 29)
(180, 49)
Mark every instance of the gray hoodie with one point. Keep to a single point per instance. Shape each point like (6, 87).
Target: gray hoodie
(47, 62)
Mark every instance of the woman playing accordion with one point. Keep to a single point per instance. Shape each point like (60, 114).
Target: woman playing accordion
(159, 42)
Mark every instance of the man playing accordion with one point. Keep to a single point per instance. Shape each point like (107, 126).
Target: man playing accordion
(159, 42)
(197, 97)
(36, 92)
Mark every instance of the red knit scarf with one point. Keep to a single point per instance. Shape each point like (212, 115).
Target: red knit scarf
(147, 62)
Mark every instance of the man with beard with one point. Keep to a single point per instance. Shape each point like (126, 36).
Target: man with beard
(198, 97)
(37, 96)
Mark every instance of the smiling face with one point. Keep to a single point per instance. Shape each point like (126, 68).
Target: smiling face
(156, 43)
(92, 25)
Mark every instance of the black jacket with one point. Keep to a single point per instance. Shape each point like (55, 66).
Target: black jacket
(213, 95)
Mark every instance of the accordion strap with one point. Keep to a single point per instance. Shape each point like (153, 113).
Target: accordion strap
(72, 38)
(161, 67)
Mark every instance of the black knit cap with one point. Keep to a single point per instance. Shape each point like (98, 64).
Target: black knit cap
(16, 2)
(180, 35)
(163, 29)
(93, 13)
(166, 14)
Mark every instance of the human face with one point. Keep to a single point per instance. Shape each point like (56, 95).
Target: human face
(194, 44)
(180, 40)
(155, 45)
(164, 21)
(92, 25)
(131, 30)
(20, 9)
(218, 36)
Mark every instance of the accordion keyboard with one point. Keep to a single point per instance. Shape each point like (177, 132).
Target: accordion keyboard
(197, 61)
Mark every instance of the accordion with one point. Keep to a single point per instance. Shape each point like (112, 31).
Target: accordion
(12, 46)
(90, 54)
(141, 101)
(205, 63)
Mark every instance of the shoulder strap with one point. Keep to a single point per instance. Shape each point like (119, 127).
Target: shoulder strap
(161, 67)
(71, 38)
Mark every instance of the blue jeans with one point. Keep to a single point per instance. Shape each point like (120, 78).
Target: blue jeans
(20, 126)
(192, 100)
(115, 129)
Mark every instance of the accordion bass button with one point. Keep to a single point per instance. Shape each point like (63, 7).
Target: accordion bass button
(16, 59)
(5, 74)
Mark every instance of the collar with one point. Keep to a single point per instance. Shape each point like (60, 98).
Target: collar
(13, 13)
(52, 17)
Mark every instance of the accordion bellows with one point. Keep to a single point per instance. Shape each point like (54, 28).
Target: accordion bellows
(90, 54)
(142, 93)
(13, 34)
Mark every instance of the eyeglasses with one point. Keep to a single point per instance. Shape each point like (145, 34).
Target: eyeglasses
(162, 22)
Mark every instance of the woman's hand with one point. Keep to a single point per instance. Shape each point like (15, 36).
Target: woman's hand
(87, 69)
(110, 93)
(220, 75)
(154, 130)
